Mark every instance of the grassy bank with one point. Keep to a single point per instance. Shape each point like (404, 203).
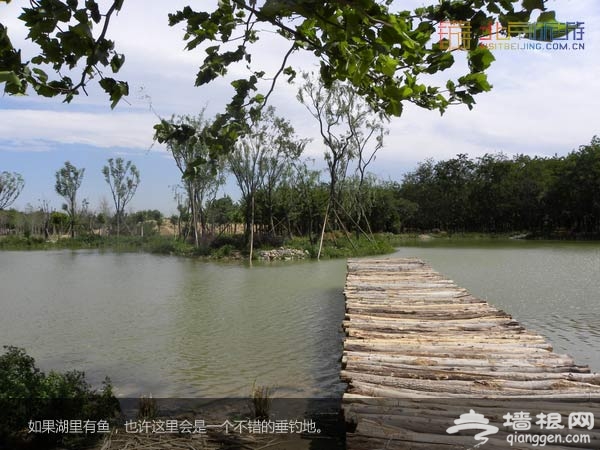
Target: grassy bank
(334, 246)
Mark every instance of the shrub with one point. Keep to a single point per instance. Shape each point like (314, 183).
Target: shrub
(224, 251)
(27, 394)
(236, 241)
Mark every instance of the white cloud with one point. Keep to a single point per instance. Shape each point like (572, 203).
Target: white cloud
(27, 129)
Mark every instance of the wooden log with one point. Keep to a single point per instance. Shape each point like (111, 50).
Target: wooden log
(412, 334)
(469, 352)
(373, 390)
(427, 345)
(468, 374)
(555, 363)
(468, 386)
(522, 337)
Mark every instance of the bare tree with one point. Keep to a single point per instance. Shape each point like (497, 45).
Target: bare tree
(46, 211)
(346, 124)
(123, 179)
(11, 185)
(68, 181)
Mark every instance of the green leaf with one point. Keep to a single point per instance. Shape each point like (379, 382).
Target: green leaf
(476, 82)
(290, 72)
(387, 65)
(530, 5)
(548, 16)
(480, 59)
(258, 98)
(43, 77)
(440, 61)
(117, 62)
(9, 77)
(115, 89)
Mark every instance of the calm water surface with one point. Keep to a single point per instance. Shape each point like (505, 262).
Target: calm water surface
(178, 327)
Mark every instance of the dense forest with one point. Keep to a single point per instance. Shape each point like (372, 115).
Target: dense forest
(546, 196)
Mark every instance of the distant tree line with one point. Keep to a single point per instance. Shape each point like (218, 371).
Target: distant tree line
(122, 177)
(495, 193)
(282, 197)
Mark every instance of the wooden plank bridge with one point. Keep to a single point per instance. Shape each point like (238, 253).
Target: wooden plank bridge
(420, 351)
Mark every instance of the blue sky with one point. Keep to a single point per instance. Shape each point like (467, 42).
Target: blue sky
(544, 102)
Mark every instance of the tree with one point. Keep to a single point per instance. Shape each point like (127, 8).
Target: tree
(11, 185)
(221, 212)
(64, 33)
(285, 149)
(379, 48)
(59, 221)
(68, 181)
(123, 179)
(203, 181)
(259, 159)
(346, 125)
(45, 210)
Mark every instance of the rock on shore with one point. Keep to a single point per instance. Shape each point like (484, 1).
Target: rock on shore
(283, 254)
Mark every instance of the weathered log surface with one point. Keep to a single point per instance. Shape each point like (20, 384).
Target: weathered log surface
(415, 337)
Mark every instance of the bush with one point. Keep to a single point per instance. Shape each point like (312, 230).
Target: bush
(13, 242)
(28, 394)
(224, 252)
(235, 241)
(163, 246)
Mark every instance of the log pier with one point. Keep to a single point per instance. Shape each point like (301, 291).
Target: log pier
(420, 351)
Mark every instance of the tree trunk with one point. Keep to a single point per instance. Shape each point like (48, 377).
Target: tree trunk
(192, 196)
(252, 230)
(323, 230)
(72, 221)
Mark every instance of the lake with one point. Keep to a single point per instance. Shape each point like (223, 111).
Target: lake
(178, 327)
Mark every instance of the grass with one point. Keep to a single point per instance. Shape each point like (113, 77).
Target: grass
(147, 408)
(261, 401)
(336, 245)
(151, 244)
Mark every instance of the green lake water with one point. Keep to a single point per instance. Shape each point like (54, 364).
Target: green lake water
(177, 327)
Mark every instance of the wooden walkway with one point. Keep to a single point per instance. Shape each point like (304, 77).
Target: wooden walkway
(420, 351)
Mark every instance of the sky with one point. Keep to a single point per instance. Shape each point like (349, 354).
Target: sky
(543, 102)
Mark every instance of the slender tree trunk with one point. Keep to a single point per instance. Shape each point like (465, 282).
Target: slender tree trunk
(72, 220)
(203, 224)
(323, 230)
(193, 206)
(248, 219)
(252, 230)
